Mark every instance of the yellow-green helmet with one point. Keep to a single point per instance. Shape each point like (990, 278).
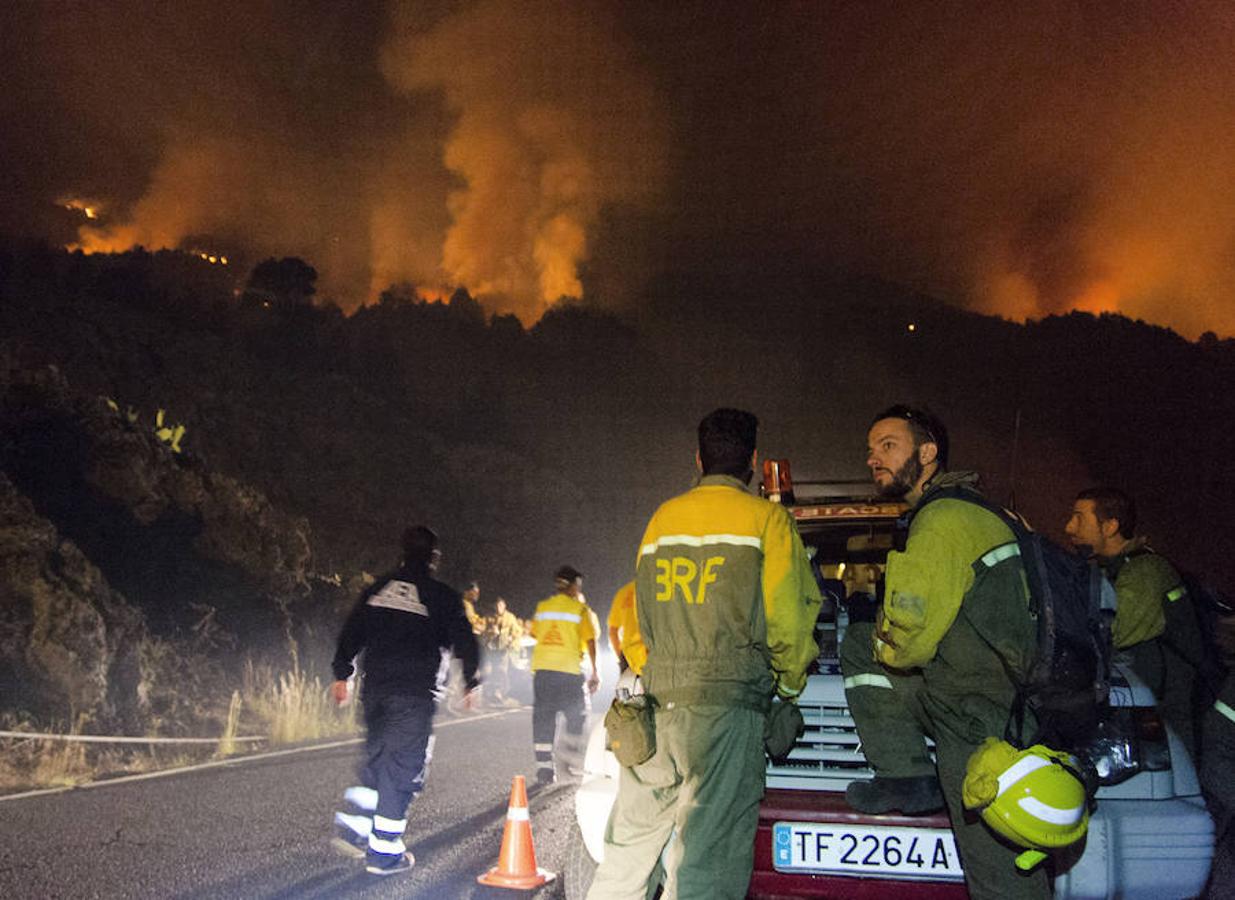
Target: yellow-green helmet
(1040, 802)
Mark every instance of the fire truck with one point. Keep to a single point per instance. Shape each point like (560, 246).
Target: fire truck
(1149, 837)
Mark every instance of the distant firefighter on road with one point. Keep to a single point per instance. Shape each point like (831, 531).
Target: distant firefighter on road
(404, 623)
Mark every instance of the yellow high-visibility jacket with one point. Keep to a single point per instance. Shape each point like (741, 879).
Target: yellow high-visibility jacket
(725, 599)
(562, 626)
(958, 556)
(622, 617)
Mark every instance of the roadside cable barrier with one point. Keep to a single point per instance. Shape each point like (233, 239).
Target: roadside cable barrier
(229, 762)
(110, 739)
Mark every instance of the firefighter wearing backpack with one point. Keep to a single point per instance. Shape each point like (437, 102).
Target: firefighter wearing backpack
(953, 631)
(1155, 625)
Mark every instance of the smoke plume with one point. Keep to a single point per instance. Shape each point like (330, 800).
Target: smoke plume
(554, 120)
(1023, 159)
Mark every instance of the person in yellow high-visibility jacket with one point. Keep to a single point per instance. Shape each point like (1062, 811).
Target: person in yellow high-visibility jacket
(624, 635)
(726, 606)
(563, 629)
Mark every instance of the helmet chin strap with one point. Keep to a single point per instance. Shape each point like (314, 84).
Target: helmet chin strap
(1030, 858)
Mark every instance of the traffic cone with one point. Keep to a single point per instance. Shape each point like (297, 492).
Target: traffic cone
(516, 864)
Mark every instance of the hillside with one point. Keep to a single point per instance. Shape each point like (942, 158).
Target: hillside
(312, 438)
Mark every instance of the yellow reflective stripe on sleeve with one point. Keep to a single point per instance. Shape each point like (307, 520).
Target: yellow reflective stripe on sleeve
(999, 554)
(1175, 593)
(879, 681)
(701, 540)
(1225, 710)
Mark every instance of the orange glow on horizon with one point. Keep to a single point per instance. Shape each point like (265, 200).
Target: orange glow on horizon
(434, 294)
(1098, 298)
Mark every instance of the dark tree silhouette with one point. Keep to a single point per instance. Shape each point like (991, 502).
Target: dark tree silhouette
(281, 283)
(398, 295)
(465, 308)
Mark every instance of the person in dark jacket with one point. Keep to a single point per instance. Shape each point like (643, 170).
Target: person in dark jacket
(406, 624)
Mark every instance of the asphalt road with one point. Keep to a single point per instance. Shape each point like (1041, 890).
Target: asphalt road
(260, 828)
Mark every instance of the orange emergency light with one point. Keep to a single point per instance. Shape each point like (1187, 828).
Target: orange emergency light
(777, 482)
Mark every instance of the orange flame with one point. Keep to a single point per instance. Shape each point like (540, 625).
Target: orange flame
(91, 209)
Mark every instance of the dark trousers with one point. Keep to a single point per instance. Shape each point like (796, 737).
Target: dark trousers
(1217, 771)
(555, 692)
(399, 729)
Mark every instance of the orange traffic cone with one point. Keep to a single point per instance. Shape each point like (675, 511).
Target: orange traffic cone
(516, 865)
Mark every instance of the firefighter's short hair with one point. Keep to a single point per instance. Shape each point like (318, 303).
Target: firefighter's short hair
(727, 441)
(419, 545)
(1112, 503)
(924, 425)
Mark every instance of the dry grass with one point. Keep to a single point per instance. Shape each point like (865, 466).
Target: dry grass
(291, 706)
(286, 706)
(63, 764)
(27, 763)
(227, 742)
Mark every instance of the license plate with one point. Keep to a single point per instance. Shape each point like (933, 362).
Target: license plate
(866, 850)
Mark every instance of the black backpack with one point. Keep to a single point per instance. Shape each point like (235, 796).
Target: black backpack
(1192, 622)
(1067, 688)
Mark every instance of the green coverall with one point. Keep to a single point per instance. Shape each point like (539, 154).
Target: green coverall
(726, 605)
(1218, 784)
(1156, 628)
(955, 621)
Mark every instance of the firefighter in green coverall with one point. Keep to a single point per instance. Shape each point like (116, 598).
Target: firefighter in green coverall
(1156, 626)
(954, 622)
(1218, 784)
(726, 605)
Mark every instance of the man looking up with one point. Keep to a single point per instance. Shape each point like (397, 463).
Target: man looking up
(904, 455)
(726, 606)
(1155, 624)
(952, 632)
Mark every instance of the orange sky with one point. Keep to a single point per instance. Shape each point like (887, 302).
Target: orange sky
(1013, 158)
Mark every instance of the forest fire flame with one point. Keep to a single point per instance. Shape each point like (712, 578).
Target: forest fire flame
(91, 209)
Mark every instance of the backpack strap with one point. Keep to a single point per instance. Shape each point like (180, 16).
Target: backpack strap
(1015, 523)
(1014, 728)
(1209, 670)
(1118, 562)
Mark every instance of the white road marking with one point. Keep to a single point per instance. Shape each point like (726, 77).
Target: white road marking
(236, 761)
